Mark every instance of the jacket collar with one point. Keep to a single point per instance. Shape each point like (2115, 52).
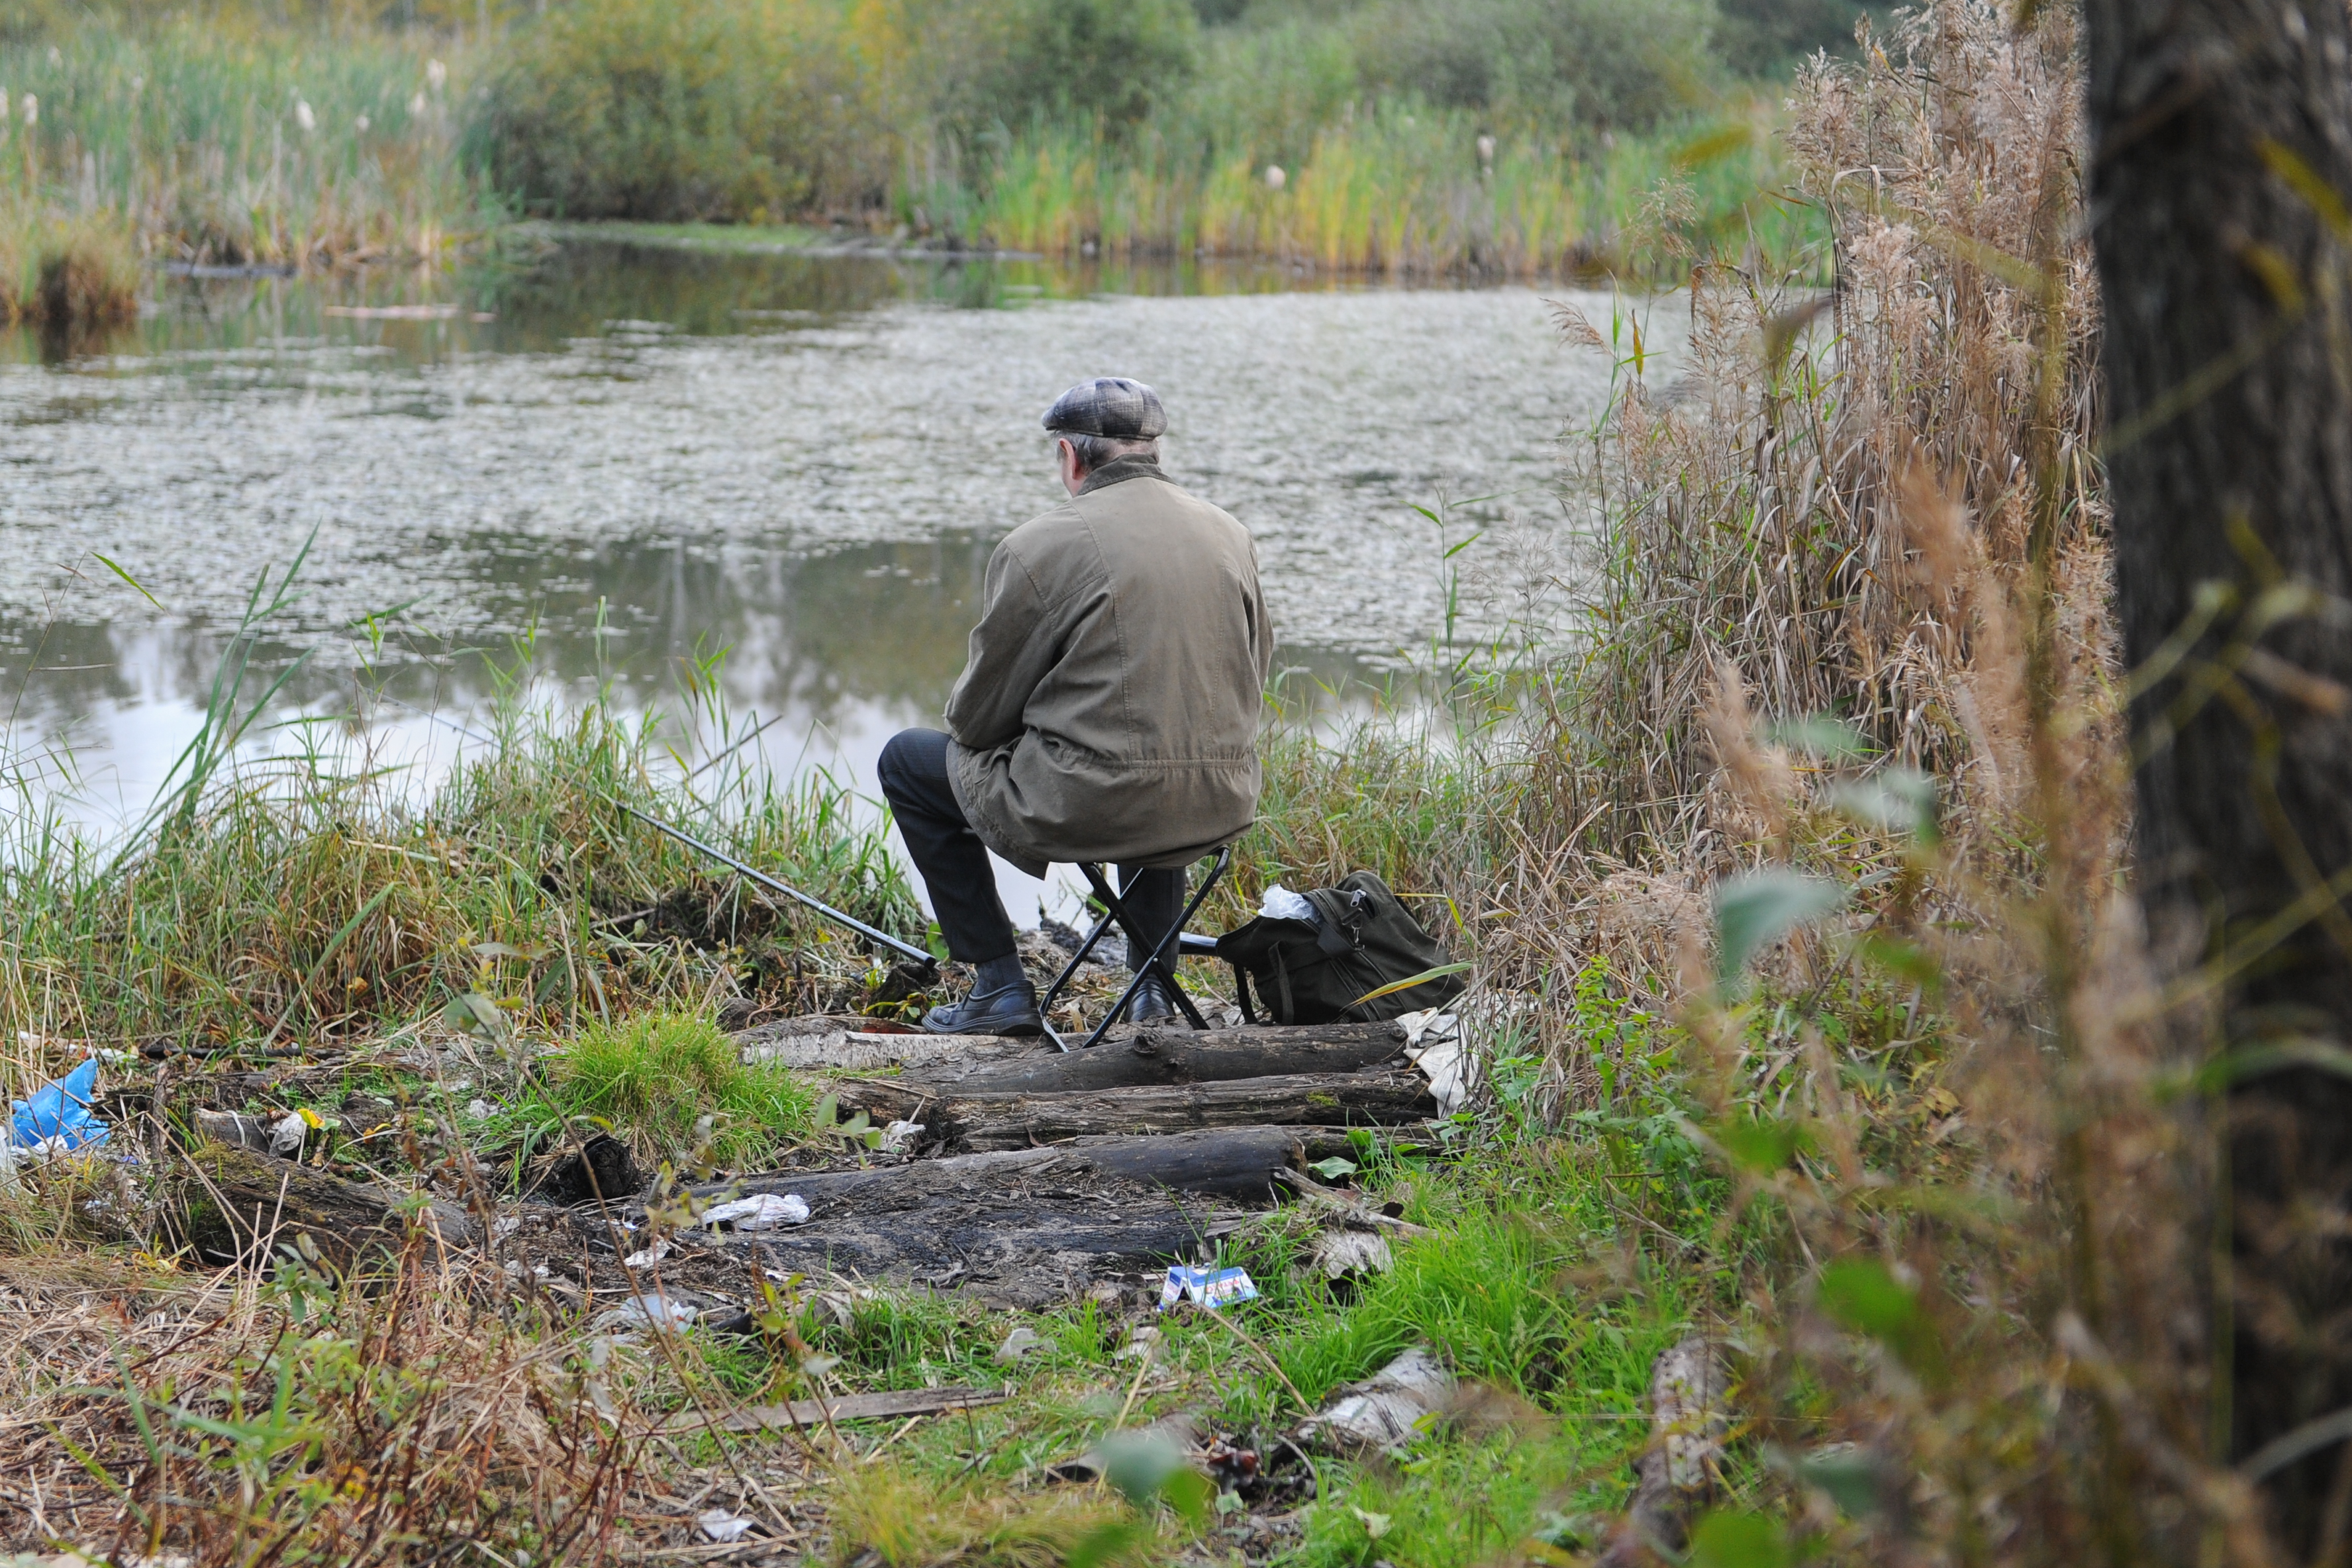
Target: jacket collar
(1121, 469)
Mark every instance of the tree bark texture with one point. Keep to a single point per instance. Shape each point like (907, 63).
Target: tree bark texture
(983, 1121)
(1153, 1056)
(2222, 158)
(1236, 1162)
(245, 1204)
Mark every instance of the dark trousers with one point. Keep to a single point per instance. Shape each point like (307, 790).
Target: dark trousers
(954, 862)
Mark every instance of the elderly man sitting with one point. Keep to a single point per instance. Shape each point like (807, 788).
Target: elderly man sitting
(1108, 711)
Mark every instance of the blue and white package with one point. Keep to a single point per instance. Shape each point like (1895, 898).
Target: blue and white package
(1213, 1288)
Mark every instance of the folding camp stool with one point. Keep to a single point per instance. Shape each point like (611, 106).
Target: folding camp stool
(1161, 962)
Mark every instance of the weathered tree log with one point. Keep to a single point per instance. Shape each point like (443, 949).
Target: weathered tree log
(1153, 1056)
(1235, 1163)
(984, 1122)
(1676, 1473)
(241, 1200)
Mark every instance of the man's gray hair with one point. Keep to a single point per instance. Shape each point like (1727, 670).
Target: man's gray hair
(1094, 451)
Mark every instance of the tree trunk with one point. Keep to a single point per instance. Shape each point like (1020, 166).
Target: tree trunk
(2221, 157)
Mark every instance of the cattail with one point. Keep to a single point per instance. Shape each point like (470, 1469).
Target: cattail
(361, 124)
(435, 75)
(1275, 178)
(416, 104)
(32, 109)
(303, 117)
(1486, 150)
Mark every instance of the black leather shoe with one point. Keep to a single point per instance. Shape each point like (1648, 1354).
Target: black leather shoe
(1150, 1004)
(1011, 1011)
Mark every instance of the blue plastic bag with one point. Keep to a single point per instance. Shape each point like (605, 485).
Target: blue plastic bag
(61, 1111)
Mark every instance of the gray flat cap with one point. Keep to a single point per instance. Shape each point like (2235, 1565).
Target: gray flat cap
(1110, 405)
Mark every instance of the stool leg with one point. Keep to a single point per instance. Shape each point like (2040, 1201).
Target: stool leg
(1046, 1003)
(1157, 962)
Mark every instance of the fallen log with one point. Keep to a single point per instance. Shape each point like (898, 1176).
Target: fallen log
(1150, 1057)
(839, 1044)
(1235, 1163)
(1676, 1473)
(242, 1200)
(808, 1414)
(984, 1122)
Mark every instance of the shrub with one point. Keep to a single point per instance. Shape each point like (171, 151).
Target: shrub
(1629, 62)
(67, 272)
(1097, 59)
(680, 110)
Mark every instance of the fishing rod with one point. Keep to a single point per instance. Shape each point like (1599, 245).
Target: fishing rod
(839, 916)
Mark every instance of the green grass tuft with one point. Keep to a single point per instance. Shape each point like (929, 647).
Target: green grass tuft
(654, 1078)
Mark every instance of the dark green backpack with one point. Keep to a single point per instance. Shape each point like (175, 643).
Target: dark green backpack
(1310, 972)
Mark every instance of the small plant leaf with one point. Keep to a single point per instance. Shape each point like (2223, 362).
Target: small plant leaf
(1848, 1476)
(108, 563)
(1137, 1463)
(1904, 960)
(1409, 982)
(1860, 1295)
(1334, 1168)
(1826, 739)
(1754, 910)
(1730, 1539)
(1900, 800)
(1764, 1145)
(1375, 1524)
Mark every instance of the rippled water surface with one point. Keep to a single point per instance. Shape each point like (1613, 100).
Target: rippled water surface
(633, 456)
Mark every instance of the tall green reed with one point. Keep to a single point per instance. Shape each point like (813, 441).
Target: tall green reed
(324, 892)
(224, 143)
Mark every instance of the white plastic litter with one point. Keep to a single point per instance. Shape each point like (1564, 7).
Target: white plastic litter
(720, 1525)
(1388, 1408)
(646, 1257)
(760, 1211)
(1351, 1254)
(287, 1133)
(1281, 904)
(901, 1136)
(649, 1312)
(1433, 1043)
(1018, 1343)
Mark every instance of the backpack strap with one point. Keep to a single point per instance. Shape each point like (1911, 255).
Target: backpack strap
(1240, 993)
(1289, 1011)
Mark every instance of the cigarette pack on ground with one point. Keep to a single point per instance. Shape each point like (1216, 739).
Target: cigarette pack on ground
(1213, 1288)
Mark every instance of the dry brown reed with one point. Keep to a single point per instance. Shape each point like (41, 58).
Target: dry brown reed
(1969, 1200)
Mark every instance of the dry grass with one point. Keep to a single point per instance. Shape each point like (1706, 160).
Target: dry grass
(1968, 1187)
(289, 1419)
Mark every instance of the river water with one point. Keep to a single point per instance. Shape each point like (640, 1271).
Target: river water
(619, 460)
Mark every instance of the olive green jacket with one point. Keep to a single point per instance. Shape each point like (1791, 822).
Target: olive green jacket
(1109, 707)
